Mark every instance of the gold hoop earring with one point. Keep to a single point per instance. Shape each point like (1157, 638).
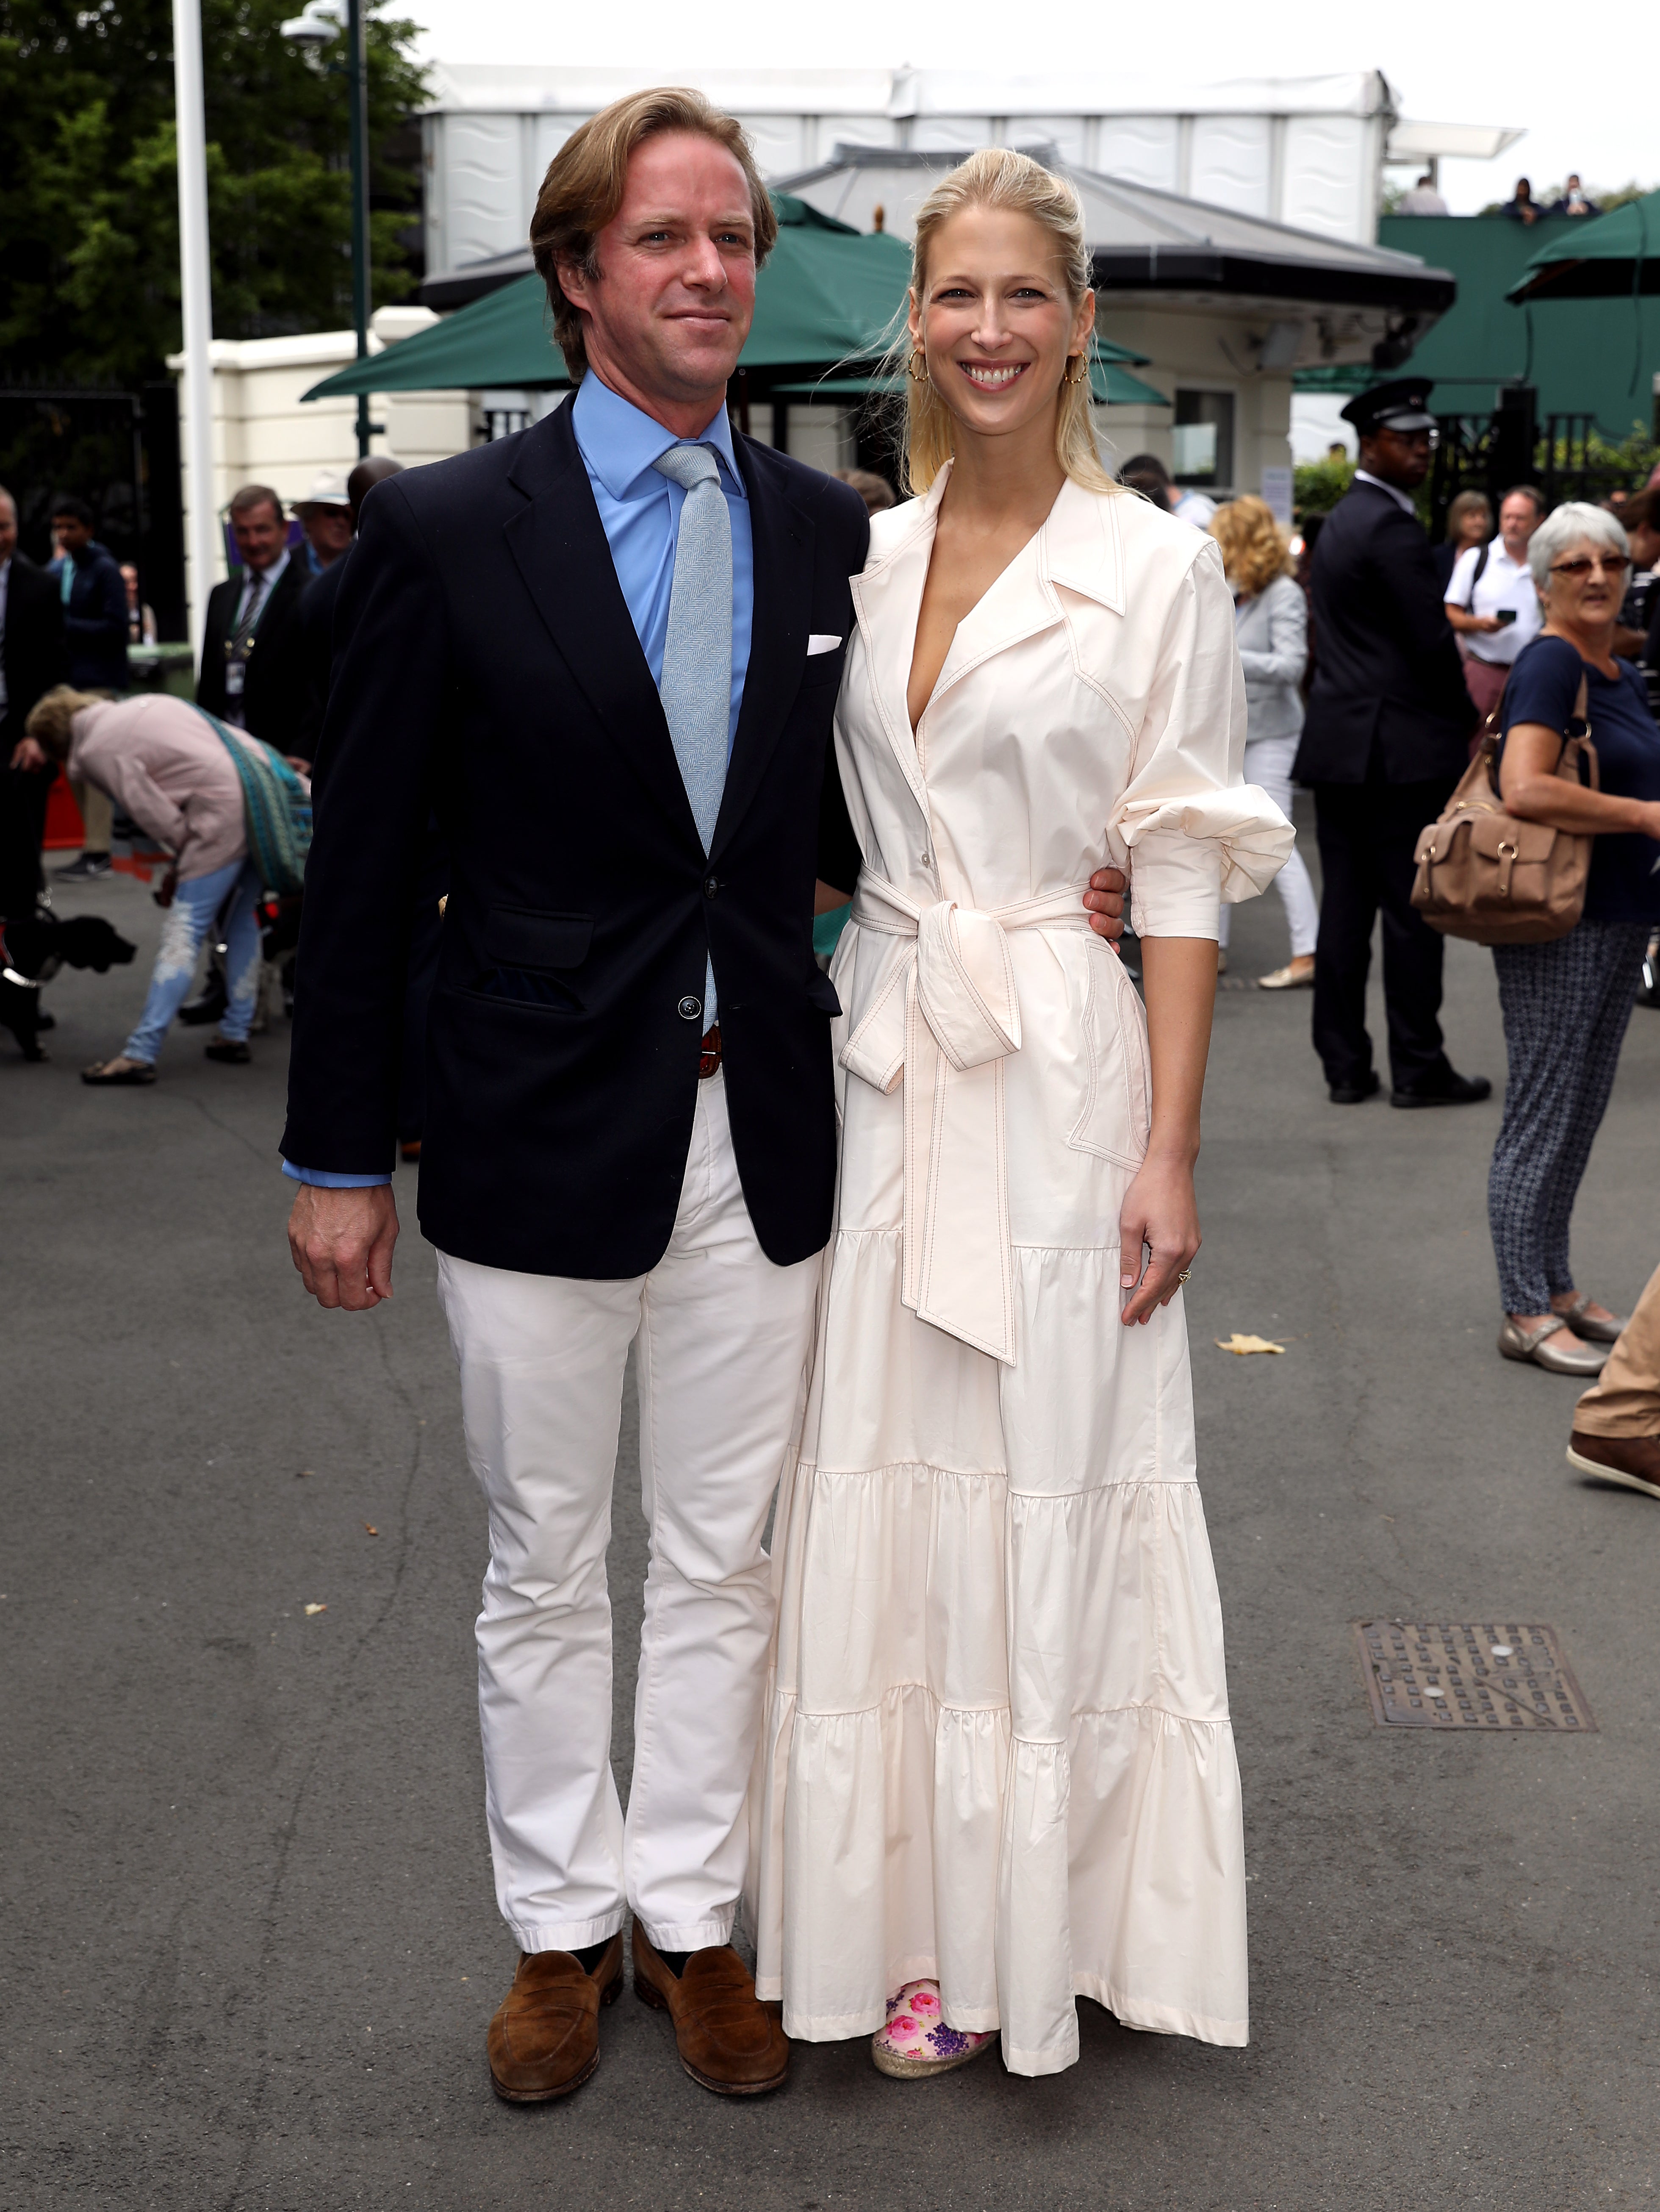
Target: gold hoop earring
(1082, 376)
(916, 374)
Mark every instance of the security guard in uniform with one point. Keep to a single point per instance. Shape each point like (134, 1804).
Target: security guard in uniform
(1385, 740)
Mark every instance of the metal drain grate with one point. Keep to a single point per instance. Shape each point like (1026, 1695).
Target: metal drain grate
(1481, 1674)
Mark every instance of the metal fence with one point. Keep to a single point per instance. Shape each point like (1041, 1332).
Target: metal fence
(1490, 452)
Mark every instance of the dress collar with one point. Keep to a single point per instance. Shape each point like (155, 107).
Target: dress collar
(619, 442)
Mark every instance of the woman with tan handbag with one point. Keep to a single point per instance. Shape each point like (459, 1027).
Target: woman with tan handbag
(1567, 1002)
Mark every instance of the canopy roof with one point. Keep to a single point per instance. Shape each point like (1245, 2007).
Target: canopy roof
(1609, 256)
(1157, 243)
(827, 295)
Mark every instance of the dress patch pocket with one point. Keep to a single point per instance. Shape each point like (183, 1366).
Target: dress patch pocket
(1118, 1106)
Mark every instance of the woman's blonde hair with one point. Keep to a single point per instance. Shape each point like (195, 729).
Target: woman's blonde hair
(52, 714)
(996, 177)
(1254, 548)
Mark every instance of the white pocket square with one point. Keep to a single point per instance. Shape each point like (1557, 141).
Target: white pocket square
(818, 642)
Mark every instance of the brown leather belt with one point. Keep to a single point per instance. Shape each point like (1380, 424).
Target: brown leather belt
(709, 1059)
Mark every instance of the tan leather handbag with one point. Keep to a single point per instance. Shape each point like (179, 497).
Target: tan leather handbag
(1485, 875)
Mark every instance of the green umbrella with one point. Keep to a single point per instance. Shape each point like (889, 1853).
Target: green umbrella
(829, 294)
(1607, 256)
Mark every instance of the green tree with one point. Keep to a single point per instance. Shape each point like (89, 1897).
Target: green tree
(88, 192)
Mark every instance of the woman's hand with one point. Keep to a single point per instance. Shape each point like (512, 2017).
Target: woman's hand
(1161, 1211)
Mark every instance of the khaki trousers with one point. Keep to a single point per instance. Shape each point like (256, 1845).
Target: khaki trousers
(97, 814)
(1624, 1399)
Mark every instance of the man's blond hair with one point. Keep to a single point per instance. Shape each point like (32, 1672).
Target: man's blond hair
(587, 178)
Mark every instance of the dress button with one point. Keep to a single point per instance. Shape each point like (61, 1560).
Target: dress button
(690, 1008)
(710, 887)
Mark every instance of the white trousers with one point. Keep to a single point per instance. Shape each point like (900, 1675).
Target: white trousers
(1268, 762)
(723, 1338)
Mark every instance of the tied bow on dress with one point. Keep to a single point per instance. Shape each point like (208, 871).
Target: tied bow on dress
(945, 1021)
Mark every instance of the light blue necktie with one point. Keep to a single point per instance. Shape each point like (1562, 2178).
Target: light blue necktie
(696, 684)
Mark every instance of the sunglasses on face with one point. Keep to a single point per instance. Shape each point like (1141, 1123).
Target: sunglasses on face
(1612, 564)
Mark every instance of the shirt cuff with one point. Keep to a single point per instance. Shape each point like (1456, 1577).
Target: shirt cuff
(325, 1179)
(1175, 886)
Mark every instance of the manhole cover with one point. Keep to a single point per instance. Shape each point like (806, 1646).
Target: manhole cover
(1484, 1675)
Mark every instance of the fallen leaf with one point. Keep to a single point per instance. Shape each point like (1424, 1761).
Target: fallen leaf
(315, 1608)
(369, 1530)
(1244, 1343)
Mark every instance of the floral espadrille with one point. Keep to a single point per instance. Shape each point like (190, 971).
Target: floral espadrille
(916, 2039)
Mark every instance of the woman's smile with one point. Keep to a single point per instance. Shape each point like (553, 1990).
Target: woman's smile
(992, 376)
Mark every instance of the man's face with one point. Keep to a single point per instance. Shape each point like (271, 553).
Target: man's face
(8, 529)
(260, 534)
(1644, 542)
(666, 318)
(73, 535)
(1519, 517)
(1397, 457)
(329, 529)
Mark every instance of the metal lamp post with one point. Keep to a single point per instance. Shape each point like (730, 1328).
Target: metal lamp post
(322, 22)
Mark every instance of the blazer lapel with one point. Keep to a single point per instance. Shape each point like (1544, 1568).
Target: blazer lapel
(558, 545)
(782, 536)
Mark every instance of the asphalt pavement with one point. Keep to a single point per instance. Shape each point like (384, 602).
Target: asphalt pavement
(250, 1944)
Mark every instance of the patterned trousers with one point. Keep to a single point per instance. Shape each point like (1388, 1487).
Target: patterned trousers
(1566, 1005)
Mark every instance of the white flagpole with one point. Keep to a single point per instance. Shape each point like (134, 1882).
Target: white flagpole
(196, 289)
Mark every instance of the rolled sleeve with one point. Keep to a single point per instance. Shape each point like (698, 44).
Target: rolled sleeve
(1195, 837)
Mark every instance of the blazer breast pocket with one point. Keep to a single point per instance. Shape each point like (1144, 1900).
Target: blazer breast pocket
(825, 658)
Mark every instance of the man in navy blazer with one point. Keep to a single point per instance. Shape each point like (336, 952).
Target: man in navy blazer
(630, 1133)
(1385, 738)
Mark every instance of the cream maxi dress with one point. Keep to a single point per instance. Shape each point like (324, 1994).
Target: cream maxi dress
(997, 1747)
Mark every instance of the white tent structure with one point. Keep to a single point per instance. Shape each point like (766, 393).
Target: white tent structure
(1305, 151)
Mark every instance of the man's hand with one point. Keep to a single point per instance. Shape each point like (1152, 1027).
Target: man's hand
(26, 753)
(341, 1241)
(1105, 900)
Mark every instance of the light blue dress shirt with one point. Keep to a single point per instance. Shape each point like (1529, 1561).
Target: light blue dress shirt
(639, 513)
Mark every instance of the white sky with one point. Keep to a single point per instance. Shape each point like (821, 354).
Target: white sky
(1529, 64)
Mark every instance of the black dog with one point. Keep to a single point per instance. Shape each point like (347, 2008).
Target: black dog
(31, 953)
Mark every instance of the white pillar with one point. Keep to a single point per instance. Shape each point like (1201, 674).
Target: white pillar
(196, 290)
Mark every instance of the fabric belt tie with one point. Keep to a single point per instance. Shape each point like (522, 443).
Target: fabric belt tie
(945, 1021)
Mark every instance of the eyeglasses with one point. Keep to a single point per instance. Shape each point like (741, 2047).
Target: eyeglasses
(1611, 564)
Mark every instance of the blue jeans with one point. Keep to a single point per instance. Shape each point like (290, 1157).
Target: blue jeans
(184, 926)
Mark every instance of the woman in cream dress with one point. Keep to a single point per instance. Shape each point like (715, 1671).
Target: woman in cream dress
(997, 1769)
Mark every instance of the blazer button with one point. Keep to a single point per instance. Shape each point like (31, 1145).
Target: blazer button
(690, 1008)
(710, 887)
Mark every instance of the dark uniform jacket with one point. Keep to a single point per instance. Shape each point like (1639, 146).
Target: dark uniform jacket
(273, 688)
(95, 621)
(487, 667)
(1388, 697)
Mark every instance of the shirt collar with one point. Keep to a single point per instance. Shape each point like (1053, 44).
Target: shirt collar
(619, 442)
(267, 579)
(1400, 498)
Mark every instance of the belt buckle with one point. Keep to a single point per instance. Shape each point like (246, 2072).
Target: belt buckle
(709, 1057)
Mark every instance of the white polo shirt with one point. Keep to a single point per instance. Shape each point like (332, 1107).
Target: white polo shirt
(1503, 583)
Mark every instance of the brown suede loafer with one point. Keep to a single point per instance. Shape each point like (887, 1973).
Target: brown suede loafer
(1633, 1461)
(727, 2041)
(545, 2040)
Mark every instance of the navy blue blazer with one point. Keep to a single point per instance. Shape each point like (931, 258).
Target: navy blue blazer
(486, 669)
